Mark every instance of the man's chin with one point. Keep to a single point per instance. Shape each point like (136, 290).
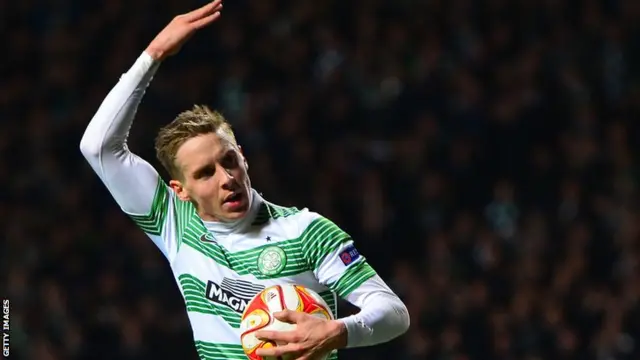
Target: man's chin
(235, 215)
(234, 211)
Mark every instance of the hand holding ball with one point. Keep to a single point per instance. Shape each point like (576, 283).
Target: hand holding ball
(258, 315)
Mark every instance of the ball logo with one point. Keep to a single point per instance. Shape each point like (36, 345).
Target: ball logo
(271, 295)
(272, 261)
(346, 258)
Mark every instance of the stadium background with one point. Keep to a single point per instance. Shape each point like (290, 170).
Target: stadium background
(481, 153)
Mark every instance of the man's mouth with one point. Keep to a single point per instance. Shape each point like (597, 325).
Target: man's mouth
(235, 197)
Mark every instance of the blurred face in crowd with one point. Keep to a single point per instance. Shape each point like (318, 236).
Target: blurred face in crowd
(213, 175)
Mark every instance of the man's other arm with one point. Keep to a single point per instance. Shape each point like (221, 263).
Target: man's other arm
(338, 265)
(382, 316)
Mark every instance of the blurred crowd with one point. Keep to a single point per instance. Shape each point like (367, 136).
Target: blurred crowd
(481, 153)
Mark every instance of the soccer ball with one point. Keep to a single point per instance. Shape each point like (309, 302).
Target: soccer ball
(258, 314)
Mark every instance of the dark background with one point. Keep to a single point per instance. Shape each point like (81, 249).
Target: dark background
(481, 153)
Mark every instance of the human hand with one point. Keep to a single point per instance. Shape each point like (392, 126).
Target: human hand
(169, 41)
(312, 338)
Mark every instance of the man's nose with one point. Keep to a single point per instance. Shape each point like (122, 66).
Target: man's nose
(229, 182)
(228, 173)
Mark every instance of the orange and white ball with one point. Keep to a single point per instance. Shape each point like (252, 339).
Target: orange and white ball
(258, 315)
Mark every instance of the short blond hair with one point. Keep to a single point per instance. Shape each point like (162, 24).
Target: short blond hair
(188, 124)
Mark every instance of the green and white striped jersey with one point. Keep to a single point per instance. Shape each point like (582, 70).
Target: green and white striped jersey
(219, 267)
(218, 275)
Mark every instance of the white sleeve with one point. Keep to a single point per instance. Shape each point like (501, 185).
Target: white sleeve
(337, 264)
(134, 183)
(382, 317)
(131, 181)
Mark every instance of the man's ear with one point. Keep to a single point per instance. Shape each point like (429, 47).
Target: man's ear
(179, 189)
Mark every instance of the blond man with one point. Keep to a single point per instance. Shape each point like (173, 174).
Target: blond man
(223, 241)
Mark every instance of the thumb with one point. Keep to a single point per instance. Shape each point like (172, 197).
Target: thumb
(289, 316)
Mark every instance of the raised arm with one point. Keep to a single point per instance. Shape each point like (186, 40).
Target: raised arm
(133, 182)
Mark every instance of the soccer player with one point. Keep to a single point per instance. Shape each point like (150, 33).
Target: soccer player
(223, 241)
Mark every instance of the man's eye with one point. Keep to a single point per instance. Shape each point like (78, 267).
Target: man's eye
(230, 161)
(206, 172)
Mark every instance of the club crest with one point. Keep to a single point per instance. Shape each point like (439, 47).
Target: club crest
(272, 260)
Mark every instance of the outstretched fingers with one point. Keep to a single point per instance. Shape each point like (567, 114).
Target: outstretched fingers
(204, 12)
(206, 20)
